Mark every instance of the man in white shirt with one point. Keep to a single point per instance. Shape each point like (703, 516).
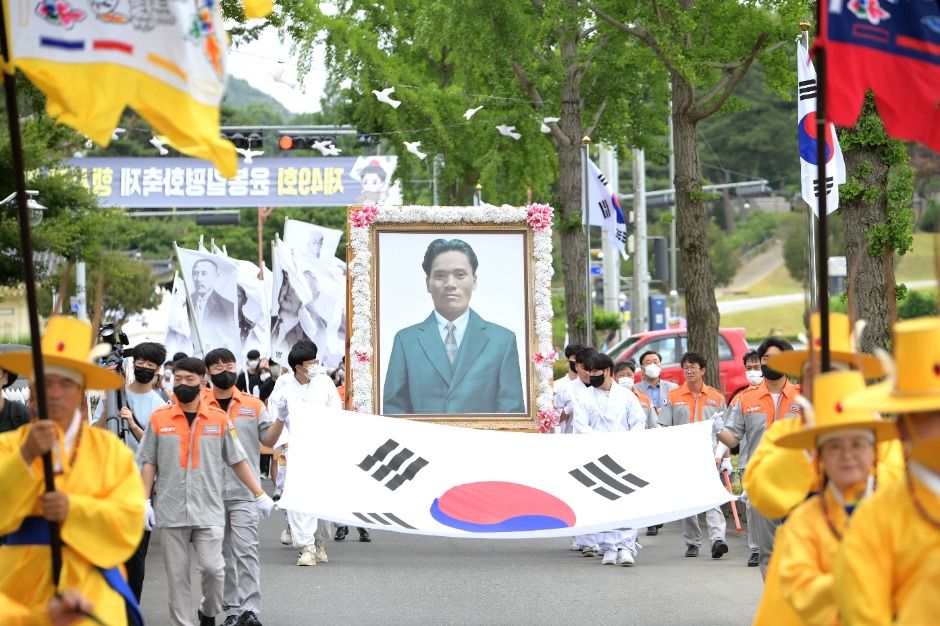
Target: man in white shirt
(307, 391)
(564, 395)
(606, 407)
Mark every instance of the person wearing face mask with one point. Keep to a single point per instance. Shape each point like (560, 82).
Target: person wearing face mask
(694, 402)
(650, 384)
(562, 387)
(248, 417)
(308, 390)
(141, 401)
(606, 407)
(625, 373)
(185, 450)
(250, 379)
(755, 412)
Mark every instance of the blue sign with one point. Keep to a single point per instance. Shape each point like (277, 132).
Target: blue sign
(597, 270)
(172, 182)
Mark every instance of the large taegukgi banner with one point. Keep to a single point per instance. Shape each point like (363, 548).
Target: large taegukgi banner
(155, 182)
(429, 479)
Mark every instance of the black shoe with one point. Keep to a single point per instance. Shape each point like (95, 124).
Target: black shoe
(364, 535)
(753, 560)
(719, 548)
(652, 531)
(341, 533)
(231, 620)
(205, 620)
(248, 618)
(691, 550)
(276, 495)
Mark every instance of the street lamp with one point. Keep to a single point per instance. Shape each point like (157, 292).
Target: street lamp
(35, 209)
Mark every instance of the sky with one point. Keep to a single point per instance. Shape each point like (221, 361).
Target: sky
(260, 61)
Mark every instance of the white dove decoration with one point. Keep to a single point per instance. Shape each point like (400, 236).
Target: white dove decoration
(471, 112)
(322, 146)
(413, 148)
(546, 121)
(116, 133)
(248, 154)
(330, 151)
(159, 145)
(282, 77)
(386, 96)
(508, 131)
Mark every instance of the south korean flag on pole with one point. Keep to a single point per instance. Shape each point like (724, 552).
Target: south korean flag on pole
(806, 116)
(604, 209)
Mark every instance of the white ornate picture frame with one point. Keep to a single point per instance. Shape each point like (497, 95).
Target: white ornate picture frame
(523, 229)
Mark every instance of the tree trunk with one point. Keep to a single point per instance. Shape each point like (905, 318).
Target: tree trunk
(63, 290)
(573, 253)
(873, 288)
(692, 232)
(98, 310)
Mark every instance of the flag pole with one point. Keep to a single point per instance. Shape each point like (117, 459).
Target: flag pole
(29, 275)
(586, 217)
(822, 234)
(810, 216)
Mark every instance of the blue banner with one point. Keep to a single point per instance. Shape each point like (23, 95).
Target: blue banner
(170, 182)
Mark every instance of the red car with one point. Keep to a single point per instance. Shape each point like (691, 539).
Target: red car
(672, 343)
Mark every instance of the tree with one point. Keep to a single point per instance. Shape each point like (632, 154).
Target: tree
(522, 62)
(877, 219)
(705, 48)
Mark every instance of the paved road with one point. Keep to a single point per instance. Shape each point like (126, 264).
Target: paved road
(752, 304)
(404, 579)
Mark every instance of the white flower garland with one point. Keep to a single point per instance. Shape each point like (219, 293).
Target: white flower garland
(537, 217)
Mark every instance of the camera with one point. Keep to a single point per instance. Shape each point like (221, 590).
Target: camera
(116, 338)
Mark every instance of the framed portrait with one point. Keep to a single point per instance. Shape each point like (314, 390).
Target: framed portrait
(451, 314)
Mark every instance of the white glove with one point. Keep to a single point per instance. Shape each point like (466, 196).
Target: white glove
(149, 518)
(265, 505)
(726, 466)
(718, 424)
(282, 409)
(720, 451)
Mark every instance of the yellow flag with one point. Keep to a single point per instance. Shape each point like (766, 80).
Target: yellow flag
(166, 59)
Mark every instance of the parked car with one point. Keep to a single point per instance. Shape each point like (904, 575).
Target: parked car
(672, 343)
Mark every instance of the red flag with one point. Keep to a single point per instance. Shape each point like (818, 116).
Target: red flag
(892, 49)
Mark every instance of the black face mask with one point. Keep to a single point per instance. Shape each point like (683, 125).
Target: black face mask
(573, 366)
(186, 393)
(144, 374)
(224, 380)
(597, 381)
(770, 374)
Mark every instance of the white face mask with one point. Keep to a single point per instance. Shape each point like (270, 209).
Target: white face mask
(265, 375)
(314, 370)
(754, 377)
(253, 364)
(626, 382)
(652, 371)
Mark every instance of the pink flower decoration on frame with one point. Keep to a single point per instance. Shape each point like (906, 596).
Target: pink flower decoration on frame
(361, 357)
(364, 216)
(539, 216)
(547, 421)
(539, 358)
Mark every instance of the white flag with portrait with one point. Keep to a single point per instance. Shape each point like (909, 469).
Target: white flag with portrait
(422, 478)
(179, 327)
(212, 283)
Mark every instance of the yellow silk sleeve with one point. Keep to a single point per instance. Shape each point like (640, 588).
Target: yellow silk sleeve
(864, 568)
(778, 479)
(19, 484)
(15, 614)
(105, 527)
(803, 583)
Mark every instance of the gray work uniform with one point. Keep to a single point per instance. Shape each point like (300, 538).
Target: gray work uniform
(684, 407)
(241, 539)
(749, 418)
(191, 463)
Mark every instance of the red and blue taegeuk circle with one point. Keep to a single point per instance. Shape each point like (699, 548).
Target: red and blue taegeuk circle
(501, 507)
(807, 136)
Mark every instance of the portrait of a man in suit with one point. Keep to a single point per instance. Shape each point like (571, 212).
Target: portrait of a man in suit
(211, 308)
(454, 361)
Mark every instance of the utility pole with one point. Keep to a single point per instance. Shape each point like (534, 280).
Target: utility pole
(435, 172)
(673, 263)
(609, 168)
(80, 291)
(804, 38)
(586, 213)
(639, 312)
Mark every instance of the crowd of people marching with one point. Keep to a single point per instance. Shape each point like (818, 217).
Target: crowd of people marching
(841, 480)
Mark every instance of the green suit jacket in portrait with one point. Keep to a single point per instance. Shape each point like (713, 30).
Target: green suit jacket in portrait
(486, 377)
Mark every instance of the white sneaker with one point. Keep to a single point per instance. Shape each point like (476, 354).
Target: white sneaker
(285, 536)
(575, 546)
(307, 556)
(610, 558)
(319, 553)
(625, 557)
(588, 551)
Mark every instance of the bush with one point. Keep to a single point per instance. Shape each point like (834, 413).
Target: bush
(930, 218)
(794, 231)
(723, 256)
(918, 304)
(757, 227)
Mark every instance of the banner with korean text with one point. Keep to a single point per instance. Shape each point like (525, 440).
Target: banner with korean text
(168, 182)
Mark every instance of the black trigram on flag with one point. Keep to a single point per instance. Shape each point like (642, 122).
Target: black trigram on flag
(394, 465)
(829, 185)
(386, 519)
(621, 235)
(606, 478)
(604, 206)
(807, 89)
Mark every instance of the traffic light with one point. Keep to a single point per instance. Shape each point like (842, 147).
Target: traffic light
(293, 142)
(244, 140)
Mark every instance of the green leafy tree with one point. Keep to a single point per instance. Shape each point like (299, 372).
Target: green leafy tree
(705, 49)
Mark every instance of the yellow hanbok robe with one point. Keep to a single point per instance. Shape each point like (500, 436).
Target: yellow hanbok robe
(103, 526)
(888, 569)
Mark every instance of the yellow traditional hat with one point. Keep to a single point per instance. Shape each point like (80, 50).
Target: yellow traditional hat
(913, 384)
(828, 414)
(842, 340)
(66, 345)
(926, 452)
